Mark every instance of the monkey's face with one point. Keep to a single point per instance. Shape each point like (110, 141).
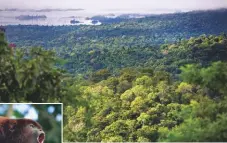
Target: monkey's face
(20, 131)
(34, 134)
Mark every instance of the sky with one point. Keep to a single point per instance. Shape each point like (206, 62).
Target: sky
(115, 4)
(28, 111)
(31, 113)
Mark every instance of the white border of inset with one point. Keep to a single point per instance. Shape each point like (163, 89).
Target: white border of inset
(46, 104)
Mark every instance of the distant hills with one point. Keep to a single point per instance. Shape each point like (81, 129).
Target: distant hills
(204, 14)
(40, 10)
(29, 17)
(50, 10)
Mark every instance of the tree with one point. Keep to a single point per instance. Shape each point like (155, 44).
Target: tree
(29, 75)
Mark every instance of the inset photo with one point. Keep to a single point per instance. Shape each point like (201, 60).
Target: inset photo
(31, 123)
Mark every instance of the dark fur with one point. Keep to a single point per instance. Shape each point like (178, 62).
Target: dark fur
(15, 131)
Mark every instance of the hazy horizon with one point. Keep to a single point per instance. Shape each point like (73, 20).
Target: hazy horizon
(116, 4)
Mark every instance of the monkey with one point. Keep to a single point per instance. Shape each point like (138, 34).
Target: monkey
(20, 131)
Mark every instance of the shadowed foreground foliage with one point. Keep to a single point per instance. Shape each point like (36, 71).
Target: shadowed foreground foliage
(28, 75)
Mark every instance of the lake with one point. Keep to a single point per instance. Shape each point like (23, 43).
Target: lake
(64, 17)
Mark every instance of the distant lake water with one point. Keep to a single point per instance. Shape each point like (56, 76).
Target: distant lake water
(64, 17)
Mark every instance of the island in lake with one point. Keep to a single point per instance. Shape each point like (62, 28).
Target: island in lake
(74, 21)
(94, 21)
(31, 17)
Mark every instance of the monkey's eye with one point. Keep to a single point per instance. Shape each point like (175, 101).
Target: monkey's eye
(32, 126)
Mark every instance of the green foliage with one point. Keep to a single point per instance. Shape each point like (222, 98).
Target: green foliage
(29, 75)
(122, 115)
(153, 108)
(213, 77)
(207, 122)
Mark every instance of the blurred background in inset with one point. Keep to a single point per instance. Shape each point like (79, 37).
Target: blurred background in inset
(48, 115)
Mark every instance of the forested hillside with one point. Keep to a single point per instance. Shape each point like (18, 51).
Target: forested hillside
(160, 78)
(149, 104)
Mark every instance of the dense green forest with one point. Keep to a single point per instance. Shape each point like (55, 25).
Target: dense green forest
(160, 78)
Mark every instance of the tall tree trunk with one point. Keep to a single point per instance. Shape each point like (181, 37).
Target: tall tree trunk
(10, 111)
